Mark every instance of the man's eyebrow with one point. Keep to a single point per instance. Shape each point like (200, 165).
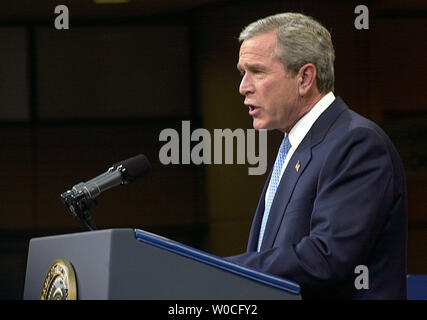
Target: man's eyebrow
(250, 66)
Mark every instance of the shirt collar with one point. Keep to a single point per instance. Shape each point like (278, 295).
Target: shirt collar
(304, 124)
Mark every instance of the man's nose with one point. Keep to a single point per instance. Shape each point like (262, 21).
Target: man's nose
(246, 85)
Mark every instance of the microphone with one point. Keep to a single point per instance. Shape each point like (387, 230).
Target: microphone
(120, 173)
(80, 198)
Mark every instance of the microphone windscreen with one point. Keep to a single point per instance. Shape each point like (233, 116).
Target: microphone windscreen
(135, 167)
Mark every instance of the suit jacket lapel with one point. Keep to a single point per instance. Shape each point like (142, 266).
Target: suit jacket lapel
(256, 223)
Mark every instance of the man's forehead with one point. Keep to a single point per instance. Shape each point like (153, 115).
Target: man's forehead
(262, 45)
(257, 49)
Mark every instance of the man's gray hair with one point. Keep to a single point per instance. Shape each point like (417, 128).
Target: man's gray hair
(300, 40)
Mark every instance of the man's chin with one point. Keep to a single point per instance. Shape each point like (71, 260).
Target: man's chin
(258, 125)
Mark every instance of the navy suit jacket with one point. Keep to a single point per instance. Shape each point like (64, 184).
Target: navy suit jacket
(345, 206)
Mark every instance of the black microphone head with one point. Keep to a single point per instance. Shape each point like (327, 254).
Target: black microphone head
(135, 167)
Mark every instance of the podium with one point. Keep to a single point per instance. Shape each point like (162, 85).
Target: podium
(116, 264)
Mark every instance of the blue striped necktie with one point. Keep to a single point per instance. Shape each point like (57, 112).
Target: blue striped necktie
(274, 183)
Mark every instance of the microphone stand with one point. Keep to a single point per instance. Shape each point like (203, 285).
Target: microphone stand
(80, 207)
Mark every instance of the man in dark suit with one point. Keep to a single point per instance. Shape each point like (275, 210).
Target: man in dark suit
(335, 201)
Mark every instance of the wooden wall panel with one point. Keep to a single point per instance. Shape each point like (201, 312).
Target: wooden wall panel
(398, 63)
(112, 72)
(14, 76)
(417, 248)
(17, 178)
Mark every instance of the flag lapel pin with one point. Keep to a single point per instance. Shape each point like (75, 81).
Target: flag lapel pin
(297, 166)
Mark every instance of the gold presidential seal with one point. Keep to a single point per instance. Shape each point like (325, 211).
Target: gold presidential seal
(60, 282)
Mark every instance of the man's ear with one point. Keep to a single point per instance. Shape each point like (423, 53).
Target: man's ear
(306, 79)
